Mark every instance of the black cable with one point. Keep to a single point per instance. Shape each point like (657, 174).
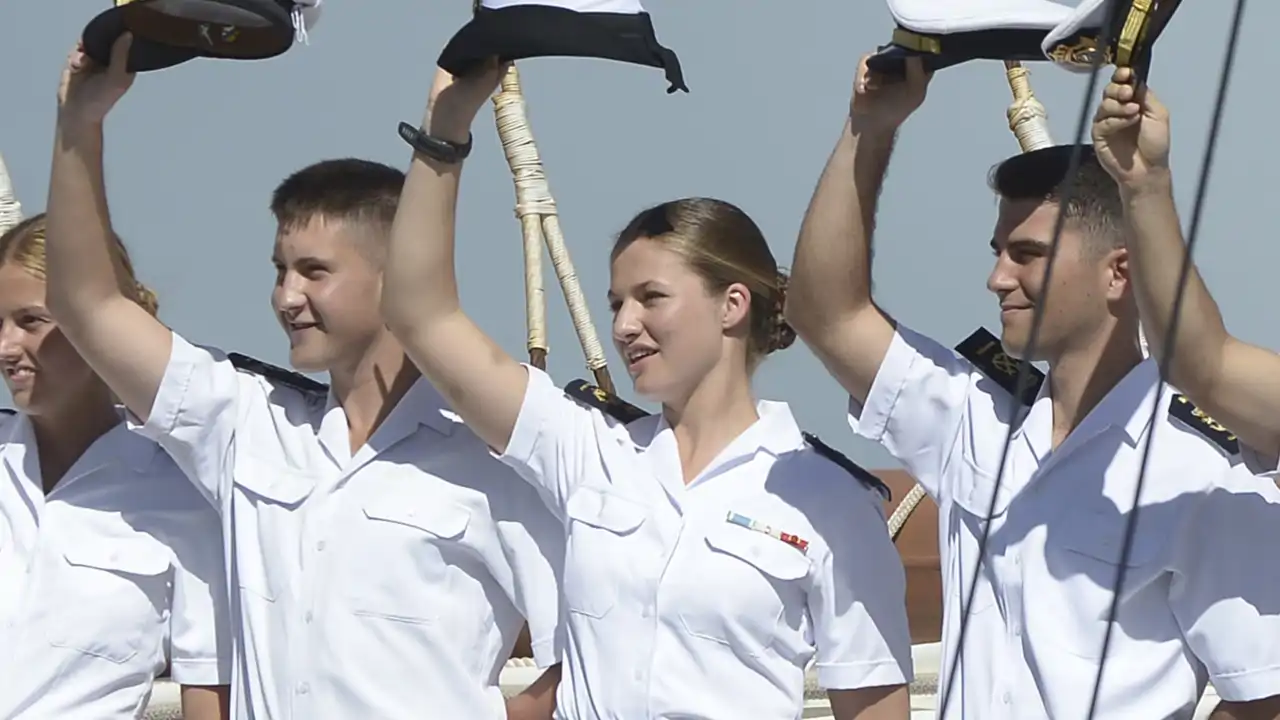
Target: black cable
(1017, 409)
(1202, 191)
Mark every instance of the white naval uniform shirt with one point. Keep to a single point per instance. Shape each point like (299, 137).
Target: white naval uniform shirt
(113, 575)
(676, 612)
(389, 584)
(1201, 599)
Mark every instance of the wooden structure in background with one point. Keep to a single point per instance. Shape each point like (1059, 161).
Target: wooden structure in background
(918, 545)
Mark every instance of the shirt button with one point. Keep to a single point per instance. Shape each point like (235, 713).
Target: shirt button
(646, 611)
(639, 675)
(320, 546)
(1006, 698)
(303, 688)
(307, 617)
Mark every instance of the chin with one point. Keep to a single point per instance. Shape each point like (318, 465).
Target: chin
(1013, 341)
(308, 360)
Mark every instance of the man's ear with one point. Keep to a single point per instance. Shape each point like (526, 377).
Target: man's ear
(1118, 273)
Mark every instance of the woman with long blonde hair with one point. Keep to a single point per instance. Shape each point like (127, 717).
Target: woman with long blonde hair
(111, 564)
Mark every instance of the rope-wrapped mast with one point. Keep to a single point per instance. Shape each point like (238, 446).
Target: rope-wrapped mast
(1027, 117)
(10, 208)
(540, 224)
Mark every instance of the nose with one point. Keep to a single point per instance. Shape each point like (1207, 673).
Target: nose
(10, 342)
(1002, 279)
(290, 295)
(626, 323)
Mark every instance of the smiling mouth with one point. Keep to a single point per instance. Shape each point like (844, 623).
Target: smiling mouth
(19, 374)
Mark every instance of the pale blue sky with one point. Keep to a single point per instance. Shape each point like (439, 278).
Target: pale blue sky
(194, 152)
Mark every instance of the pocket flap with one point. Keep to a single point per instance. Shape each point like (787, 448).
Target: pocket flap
(446, 520)
(1100, 535)
(124, 557)
(605, 508)
(764, 552)
(274, 483)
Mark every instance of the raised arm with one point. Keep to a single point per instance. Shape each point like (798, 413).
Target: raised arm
(482, 383)
(1237, 383)
(829, 298)
(120, 340)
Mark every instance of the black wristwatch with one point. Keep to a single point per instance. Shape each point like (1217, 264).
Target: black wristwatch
(435, 148)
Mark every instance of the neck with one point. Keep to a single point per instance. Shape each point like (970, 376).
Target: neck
(1081, 377)
(370, 388)
(718, 410)
(62, 436)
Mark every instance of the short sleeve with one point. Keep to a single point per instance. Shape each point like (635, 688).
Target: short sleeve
(533, 542)
(916, 405)
(200, 621)
(554, 443)
(195, 413)
(858, 603)
(1226, 590)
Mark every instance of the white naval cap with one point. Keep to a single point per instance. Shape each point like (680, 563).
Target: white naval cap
(171, 32)
(518, 29)
(950, 32)
(1076, 42)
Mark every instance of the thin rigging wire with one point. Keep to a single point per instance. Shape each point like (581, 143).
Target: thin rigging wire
(1202, 191)
(1017, 409)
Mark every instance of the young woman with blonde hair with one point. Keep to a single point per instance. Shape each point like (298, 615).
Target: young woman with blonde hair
(111, 564)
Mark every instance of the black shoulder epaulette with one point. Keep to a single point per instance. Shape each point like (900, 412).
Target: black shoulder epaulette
(8, 411)
(611, 405)
(276, 374)
(984, 351)
(863, 475)
(1193, 417)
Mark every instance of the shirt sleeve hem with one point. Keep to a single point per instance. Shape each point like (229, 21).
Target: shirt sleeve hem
(1247, 685)
(165, 409)
(524, 436)
(199, 672)
(852, 676)
(546, 652)
(871, 419)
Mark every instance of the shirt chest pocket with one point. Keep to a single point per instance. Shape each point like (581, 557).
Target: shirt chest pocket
(419, 543)
(603, 548)
(113, 598)
(267, 523)
(1074, 589)
(744, 588)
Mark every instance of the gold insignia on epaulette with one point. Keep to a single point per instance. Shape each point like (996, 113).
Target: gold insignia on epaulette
(1198, 420)
(984, 351)
(611, 405)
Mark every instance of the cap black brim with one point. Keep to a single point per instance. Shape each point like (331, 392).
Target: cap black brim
(187, 38)
(528, 31)
(958, 48)
(144, 55)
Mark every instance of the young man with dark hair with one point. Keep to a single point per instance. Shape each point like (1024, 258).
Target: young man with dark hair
(1056, 514)
(380, 558)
